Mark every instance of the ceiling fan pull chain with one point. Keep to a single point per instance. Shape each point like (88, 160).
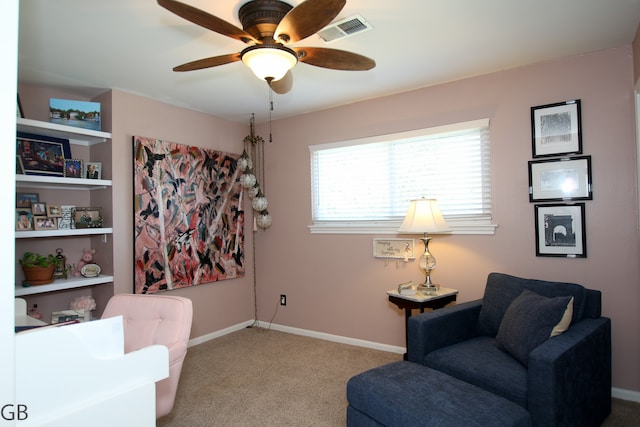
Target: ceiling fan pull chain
(270, 110)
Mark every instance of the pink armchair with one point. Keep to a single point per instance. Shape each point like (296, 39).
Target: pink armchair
(155, 319)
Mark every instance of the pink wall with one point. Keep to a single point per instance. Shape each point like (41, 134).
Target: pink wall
(636, 57)
(333, 283)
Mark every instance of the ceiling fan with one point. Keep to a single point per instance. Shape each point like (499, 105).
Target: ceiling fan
(268, 26)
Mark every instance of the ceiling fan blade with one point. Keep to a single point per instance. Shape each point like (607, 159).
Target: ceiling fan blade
(213, 61)
(334, 59)
(206, 20)
(306, 19)
(283, 85)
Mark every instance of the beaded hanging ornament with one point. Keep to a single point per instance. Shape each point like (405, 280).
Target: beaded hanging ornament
(250, 180)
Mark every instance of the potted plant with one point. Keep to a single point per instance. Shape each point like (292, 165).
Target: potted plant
(38, 269)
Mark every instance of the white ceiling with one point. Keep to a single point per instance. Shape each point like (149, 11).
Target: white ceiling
(132, 45)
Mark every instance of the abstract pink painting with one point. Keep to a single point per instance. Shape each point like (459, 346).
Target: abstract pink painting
(188, 221)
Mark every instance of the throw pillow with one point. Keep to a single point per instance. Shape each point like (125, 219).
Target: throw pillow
(529, 321)
(564, 323)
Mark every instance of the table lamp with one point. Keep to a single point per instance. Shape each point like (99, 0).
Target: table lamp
(424, 216)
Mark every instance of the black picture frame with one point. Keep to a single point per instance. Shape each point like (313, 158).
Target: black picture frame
(560, 230)
(565, 179)
(556, 129)
(42, 155)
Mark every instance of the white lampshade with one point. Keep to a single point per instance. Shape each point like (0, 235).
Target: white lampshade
(424, 216)
(269, 62)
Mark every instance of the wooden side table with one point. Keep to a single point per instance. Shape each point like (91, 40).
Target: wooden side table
(420, 302)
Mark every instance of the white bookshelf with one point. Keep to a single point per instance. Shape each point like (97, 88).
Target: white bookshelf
(49, 186)
(63, 284)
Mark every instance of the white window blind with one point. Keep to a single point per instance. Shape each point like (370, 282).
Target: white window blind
(371, 181)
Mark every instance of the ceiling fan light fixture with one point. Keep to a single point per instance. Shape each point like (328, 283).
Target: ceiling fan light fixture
(269, 62)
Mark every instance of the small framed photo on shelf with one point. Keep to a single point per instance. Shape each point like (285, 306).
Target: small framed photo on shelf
(92, 170)
(65, 221)
(24, 219)
(39, 209)
(44, 223)
(24, 200)
(563, 179)
(54, 211)
(87, 217)
(556, 129)
(560, 230)
(71, 112)
(73, 168)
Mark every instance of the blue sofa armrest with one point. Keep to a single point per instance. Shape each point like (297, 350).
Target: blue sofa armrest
(441, 328)
(569, 376)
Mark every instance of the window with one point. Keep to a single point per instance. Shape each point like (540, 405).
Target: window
(364, 186)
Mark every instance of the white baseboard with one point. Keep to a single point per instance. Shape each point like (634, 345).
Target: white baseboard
(618, 393)
(335, 338)
(217, 334)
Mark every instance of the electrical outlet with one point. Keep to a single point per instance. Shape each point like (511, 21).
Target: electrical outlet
(283, 299)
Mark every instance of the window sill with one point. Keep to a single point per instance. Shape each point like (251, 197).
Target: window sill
(458, 226)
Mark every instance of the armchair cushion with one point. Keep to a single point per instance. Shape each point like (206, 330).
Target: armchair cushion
(529, 321)
(502, 289)
(478, 362)
(156, 319)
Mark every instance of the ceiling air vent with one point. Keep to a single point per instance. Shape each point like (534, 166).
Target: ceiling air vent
(345, 28)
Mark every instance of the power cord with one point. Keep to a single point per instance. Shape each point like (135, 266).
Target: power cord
(255, 284)
(273, 317)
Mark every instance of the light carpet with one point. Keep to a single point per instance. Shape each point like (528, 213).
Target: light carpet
(258, 377)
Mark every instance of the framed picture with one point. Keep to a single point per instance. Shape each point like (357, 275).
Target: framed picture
(65, 221)
(568, 178)
(394, 248)
(219, 251)
(54, 211)
(69, 112)
(87, 217)
(24, 219)
(42, 155)
(24, 200)
(44, 223)
(556, 129)
(560, 231)
(92, 170)
(73, 168)
(39, 209)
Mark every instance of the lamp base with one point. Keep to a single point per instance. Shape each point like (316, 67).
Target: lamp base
(430, 289)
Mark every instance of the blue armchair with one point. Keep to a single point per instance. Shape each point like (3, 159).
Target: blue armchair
(494, 343)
